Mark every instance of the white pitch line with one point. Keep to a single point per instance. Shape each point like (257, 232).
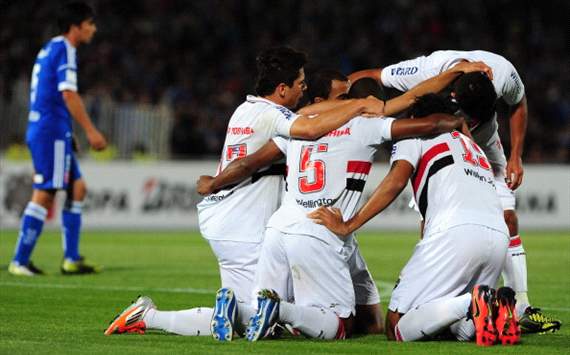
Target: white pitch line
(108, 288)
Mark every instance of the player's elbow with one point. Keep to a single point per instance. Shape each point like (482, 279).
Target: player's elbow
(68, 95)
(306, 130)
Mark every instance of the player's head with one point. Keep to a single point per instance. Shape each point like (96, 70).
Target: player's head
(79, 18)
(327, 84)
(476, 96)
(431, 103)
(365, 87)
(280, 73)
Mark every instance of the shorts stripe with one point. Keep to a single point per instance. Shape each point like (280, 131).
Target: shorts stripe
(58, 164)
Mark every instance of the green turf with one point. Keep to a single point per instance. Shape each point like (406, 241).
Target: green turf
(57, 314)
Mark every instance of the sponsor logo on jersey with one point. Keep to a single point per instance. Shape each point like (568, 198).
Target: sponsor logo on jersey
(240, 131)
(315, 203)
(339, 132)
(285, 111)
(404, 71)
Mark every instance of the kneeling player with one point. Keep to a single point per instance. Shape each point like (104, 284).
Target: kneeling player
(464, 241)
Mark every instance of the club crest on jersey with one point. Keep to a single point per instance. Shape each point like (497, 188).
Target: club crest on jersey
(404, 70)
(236, 151)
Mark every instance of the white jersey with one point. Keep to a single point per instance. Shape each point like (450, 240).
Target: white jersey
(331, 171)
(453, 182)
(240, 212)
(507, 82)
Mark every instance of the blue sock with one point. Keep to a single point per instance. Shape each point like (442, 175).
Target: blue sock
(71, 224)
(32, 224)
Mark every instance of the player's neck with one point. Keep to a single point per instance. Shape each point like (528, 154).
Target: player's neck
(276, 98)
(72, 38)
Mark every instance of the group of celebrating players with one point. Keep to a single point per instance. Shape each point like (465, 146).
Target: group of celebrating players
(286, 248)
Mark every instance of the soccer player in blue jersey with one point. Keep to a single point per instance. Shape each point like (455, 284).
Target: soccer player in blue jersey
(54, 100)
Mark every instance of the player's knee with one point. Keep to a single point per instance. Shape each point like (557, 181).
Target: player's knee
(512, 222)
(79, 190)
(44, 198)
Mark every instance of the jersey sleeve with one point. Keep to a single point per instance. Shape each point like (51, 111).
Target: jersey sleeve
(282, 119)
(373, 131)
(281, 143)
(408, 150)
(404, 75)
(512, 89)
(65, 64)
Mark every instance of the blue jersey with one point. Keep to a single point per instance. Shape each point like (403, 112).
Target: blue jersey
(55, 70)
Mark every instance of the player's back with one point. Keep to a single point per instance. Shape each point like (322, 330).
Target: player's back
(453, 182)
(240, 212)
(330, 171)
(55, 70)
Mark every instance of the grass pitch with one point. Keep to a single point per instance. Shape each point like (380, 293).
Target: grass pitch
(62, 314)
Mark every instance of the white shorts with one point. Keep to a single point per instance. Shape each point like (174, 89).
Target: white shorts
(448, 264)
(320, 275)
(496, 155)
(237, 261)
(365, 289)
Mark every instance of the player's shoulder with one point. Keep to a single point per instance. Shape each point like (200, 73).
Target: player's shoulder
(270, 107)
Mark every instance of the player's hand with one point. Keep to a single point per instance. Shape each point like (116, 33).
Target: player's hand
(468, 67)
(205, 185)
(331, 218)
(373, 106)
(96, 140)
(514, 173)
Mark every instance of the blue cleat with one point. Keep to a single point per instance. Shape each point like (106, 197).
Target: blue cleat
(267, 315)
(225, 312)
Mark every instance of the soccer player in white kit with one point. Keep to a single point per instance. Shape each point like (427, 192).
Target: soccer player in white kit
(476, 98)
(464, 240)
(233, 219)
(331, 170)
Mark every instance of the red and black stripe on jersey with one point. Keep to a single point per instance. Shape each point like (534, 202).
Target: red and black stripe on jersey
(360, 169)
(437, 158)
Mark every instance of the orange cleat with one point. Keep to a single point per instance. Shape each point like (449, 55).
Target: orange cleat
(131, 319)
(482, 312)
(506, 321)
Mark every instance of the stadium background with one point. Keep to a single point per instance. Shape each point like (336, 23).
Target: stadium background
(161, 79)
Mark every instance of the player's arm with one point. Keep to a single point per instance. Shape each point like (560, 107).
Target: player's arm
(312, 128)
(240, 169)
(518, 123)
(433, 124)
(76, 108)
(385, 193)
(433, 85)
(375, 74)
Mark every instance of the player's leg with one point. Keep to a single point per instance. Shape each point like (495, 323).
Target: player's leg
(30, 230)
(48, 157)
(433, 287)
(324, 298)
(368, 318)
(237, 262)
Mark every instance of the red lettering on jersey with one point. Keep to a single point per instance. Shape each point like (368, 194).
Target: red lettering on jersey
(339, 132)
(240, 131)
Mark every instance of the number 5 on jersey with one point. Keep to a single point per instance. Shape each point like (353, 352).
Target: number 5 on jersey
(314, 180)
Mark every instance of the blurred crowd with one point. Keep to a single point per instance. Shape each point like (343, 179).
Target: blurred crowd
(198, 57)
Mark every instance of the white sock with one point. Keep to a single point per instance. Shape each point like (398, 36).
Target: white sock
(311, 321)
(431, 318)
(244, 312)
(515, 274)
(463, 329)
(194, 321)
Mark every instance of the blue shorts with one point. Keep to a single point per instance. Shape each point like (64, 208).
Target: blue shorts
(55, 165)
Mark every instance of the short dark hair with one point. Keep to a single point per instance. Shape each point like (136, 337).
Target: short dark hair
(365, 87)
(73, 13)
(476, 95)
(432, 103)
(278, 65)
(320, 83)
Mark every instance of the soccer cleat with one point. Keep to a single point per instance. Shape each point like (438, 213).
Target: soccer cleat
(225, 314)
(267, 315)
(131, 319)
(482, 314)
(24, 270)
(534, 321)
(506, 320)
(79, 267)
